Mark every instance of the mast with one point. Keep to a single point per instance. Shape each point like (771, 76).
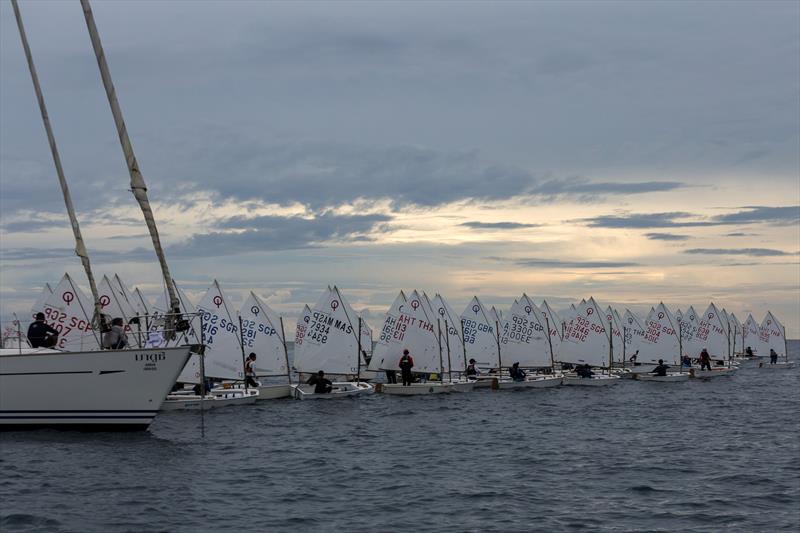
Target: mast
(80, 248)
(449, 362)
(286, 353)
(358, 375)
(550, 343)
(441, 362)
(138, 186)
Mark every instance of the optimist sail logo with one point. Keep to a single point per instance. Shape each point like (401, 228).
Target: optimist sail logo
(68, 297)
(255, 310)
(217, 301)
(104, 301)
(334, 304)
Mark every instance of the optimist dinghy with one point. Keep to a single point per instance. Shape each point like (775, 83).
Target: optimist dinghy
(587, 342)
(331, 343)
(669, 378)
(215, 399)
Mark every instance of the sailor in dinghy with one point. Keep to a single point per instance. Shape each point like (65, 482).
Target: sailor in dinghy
(587, 342)
(773, 335)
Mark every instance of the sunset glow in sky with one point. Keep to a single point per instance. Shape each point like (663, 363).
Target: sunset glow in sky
(634, 152)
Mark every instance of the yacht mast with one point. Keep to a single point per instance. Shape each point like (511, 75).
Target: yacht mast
(80, 248)
(138, 186)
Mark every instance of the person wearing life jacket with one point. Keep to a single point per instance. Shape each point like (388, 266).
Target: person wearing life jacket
(517, 374)
(322, 385)
(773, 356)
(115, 338)
(749, 352)
(584, 371)
(41, 335)
(661, 369)
(472, 369)
(705, 360)
(406, 364)
(250, 370)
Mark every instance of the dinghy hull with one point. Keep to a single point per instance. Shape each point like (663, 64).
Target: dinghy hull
(781, 365)
(716, 372)
(603, 380)
(271, 391)
(344, 389)
(531, 383)
(214, 400)
(463, 386)
(101, 390)
(416, 389)
(669, 378)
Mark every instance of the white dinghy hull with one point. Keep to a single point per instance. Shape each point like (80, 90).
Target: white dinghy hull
(602, 380)
(416, 389)
(543, 382)
(100, 390)
(462, 386)
(780, 365)
(216, 399)
(342, 389)
(715, 372)
(272, 391)
(669, 378)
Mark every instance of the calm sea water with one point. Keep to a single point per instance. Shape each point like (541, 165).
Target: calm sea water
(696, 456)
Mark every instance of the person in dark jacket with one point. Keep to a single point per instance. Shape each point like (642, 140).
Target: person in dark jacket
(749, 352)
(517, 374)
(250, 370)
(40, 335)
(472, 369)
(661, 369)
(773, 356)
(705, 360)
(115, 339)
(584, 371)
(322, 385)
(406, 364)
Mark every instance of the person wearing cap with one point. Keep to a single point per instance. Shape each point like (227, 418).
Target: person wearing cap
(322, 385)
(705, 359)
(41, 335)
(250, 370)
(472, 369)
(406, 364)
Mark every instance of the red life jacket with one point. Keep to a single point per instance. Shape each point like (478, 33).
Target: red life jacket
(406, 359)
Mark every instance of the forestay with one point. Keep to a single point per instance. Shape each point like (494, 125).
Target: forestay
(712, 334)
(586, 339)
(70, 312)
(480, 337)
(261, 335)
(773, 332)
(660, 338)
(330, 342)
(524, 336)
(220, 334)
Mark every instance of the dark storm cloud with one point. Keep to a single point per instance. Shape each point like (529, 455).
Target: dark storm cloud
(666, 237)
(754, 252)
(498, 225)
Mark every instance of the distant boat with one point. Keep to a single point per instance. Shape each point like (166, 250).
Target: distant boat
(587, 342)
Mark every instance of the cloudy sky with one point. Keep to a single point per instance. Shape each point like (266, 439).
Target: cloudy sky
(635, 152)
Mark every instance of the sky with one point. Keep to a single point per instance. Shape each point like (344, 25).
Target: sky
(636, 152)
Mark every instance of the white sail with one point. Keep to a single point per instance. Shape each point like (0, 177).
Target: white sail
(616, 333)
(220, 334)
(479, 332)
(385, 355)
(586, 339)
(688, 328)
(112, 304)
(736, 334)
(660, 338)
(140, 303)
(451, 325)
(69, 311)
(261, 335)
(524, 336)
(38, 305)
(419, 335)
(633, 331)
(556, 325)
(712, 334)
(752, 337)
(496, 315)
(302, 327)
(330, 343)
(773, 332)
